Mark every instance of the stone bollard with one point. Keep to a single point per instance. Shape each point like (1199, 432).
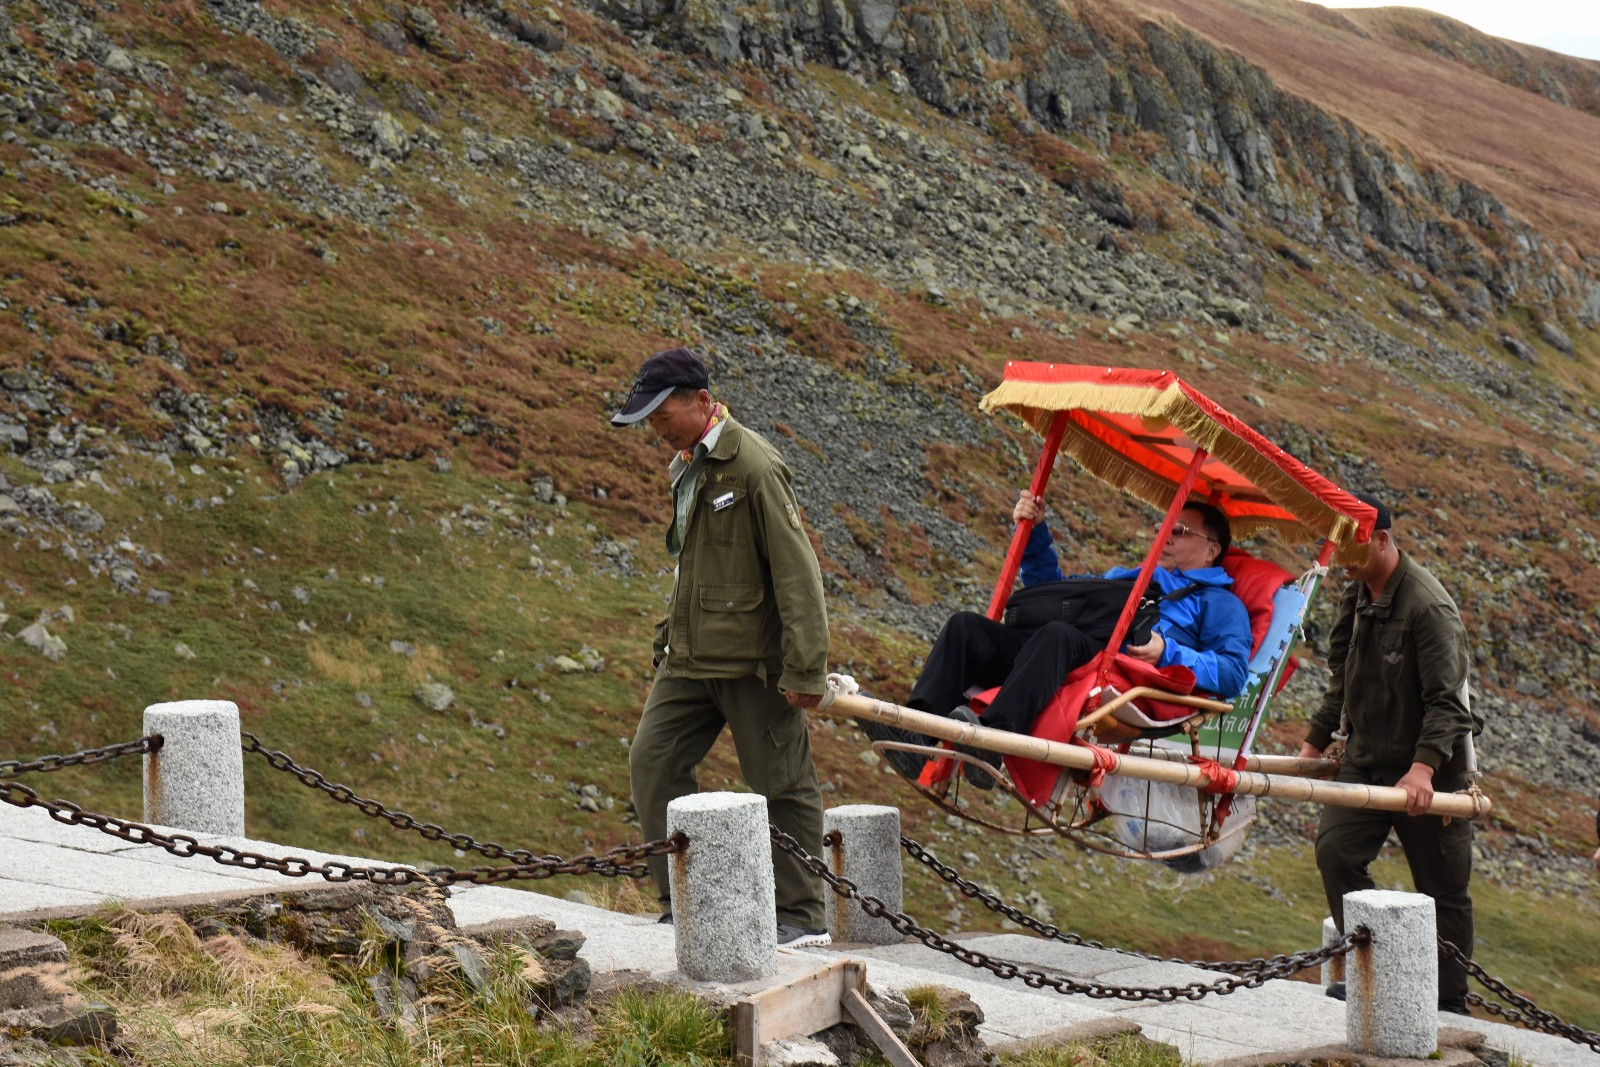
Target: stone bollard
(1392, 985)
(196, 781)
(1332, 970)
(868, 854)
(724, 907)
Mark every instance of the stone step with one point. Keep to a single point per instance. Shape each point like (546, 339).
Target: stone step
(33, 969)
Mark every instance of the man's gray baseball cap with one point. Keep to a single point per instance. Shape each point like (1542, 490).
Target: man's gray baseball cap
(676, 368)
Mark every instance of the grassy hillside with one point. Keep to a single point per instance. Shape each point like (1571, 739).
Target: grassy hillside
(312, 315)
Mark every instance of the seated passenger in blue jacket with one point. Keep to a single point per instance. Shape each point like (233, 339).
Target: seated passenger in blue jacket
(1207, 631)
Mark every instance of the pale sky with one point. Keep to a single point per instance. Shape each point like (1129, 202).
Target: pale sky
(1571, 26)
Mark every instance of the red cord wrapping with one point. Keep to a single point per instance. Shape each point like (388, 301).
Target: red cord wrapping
(1105, 762)
(1218, 778)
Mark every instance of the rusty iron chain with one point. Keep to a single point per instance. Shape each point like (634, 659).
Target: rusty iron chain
(398, 819)
(1036, 979)
(622, 861)
(1523, 1012)
(1044, 929)
(10, 768)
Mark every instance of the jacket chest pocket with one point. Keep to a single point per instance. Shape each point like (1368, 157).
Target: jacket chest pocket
(724, 517)
(730, 621)
(1392, 647)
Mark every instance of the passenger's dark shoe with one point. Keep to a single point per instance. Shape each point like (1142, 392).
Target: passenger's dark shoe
(1335, 990)
(907, 765)
(801, 937)
(1455, 1007)
(976, 777)
(665, 920)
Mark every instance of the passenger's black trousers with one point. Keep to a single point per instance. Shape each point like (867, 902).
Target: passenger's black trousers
(1029, 666)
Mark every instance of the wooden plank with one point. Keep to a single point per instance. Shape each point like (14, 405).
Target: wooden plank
(856, 1006)
(815, 1001)
(745, 1020)
(801, 1005)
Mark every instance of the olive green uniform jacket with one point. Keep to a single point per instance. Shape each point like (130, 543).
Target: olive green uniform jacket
(748, 595)
(1399, 668)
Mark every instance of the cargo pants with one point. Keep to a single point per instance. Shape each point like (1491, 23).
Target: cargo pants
(682, 719)
(1438, 853)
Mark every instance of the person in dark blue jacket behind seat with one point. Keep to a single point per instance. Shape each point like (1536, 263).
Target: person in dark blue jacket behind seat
(1207, 631)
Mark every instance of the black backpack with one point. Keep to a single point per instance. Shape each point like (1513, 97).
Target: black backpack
(1093, 605)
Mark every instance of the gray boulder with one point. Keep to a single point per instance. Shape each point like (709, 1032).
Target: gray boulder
(436, 696)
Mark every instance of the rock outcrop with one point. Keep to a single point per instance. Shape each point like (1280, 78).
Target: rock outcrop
(1207, 120)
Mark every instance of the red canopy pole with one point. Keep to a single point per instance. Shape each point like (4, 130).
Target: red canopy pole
(1019, 539)
(1180, 500)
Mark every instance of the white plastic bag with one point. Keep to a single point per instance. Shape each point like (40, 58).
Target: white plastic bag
(1159, 817)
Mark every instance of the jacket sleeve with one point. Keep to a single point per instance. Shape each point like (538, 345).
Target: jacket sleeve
(1325, 720)
(796, 582)
(1439, 642)
(1039, 560)
(658, 647)
(1221, 664)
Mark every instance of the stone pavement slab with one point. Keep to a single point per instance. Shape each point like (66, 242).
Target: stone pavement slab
(614, 942)
(1538, 1050)
(110, 876)
(17, 898)
(1278, 1017)
(1012, 1011)
(45, 864)
(53, 864)
(35, 824)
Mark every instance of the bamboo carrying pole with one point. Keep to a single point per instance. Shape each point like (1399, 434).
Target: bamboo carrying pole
(1077, 757)
(1292, 766)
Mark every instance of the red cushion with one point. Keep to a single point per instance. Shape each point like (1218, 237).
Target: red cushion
(1059, 719)
(1255, 581)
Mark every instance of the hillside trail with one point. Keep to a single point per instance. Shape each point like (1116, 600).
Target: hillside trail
(53, 870)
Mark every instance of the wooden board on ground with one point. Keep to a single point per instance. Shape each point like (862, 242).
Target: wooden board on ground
(827, 996)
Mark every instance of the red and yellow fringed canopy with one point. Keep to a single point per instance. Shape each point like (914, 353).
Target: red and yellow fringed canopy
(1138, 430)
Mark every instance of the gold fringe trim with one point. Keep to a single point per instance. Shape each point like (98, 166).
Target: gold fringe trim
(1037, 403)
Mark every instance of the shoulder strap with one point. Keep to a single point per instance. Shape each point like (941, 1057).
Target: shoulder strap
(1179, 594)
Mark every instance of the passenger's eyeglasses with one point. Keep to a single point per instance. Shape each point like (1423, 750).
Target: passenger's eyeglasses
(1180, 529)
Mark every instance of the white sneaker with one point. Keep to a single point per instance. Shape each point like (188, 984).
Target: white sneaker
(800, 937)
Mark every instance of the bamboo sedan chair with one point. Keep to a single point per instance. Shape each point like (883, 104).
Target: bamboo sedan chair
(1159, 439)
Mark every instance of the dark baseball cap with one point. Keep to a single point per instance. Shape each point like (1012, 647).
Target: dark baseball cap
(676, 368)
(1384, 519)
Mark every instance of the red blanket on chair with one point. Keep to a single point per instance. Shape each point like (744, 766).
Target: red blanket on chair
(1060, 717)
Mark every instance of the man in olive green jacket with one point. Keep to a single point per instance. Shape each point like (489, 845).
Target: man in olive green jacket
(745, 640)
(1398, 662)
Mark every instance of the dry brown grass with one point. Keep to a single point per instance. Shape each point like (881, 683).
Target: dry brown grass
(1510, 61)
(1538, 157)
(344, 661)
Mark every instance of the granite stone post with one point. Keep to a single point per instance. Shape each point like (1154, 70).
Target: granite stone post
(1392, 984)
(868, 854)
(1333, 969)
(196, 781)
(724, 908)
